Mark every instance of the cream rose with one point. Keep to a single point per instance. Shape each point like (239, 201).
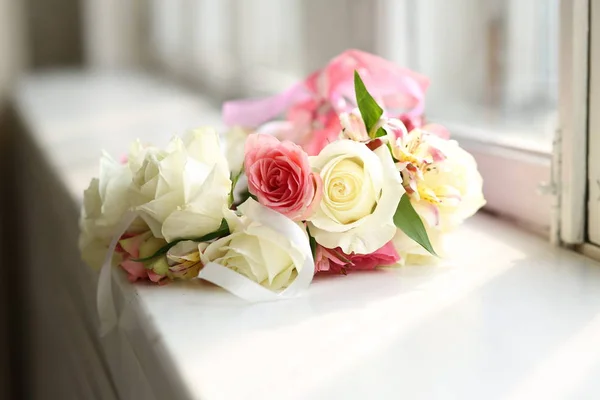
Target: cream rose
(180, 191)
(412, 253)
(255, 250)
(105, 202)
(361, 191)
(235, 141)
(450, 190)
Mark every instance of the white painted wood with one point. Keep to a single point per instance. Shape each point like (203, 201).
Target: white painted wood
(573, 119)
(506, 316)
(512, 180)
(594, 129)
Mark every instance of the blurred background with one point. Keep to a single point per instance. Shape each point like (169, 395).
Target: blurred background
(493, 65)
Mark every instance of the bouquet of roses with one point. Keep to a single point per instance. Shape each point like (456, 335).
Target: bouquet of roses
(350, 179)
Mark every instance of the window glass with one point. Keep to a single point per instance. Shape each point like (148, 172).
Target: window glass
(492, 64)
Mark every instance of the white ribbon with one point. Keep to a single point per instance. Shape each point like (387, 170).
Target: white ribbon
(217, 274)
(105, 302)
(249, 290)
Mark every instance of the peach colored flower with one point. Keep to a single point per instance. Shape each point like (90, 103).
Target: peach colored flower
(280, 177)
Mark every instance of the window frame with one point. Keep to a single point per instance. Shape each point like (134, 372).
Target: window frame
(592, 244)
(570, 157)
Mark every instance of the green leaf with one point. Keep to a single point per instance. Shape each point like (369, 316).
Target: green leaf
(313, 246)
(159, 266)
(369, 109)
(245, 195)
(223, 230)
(392, 153)
(234, 181)
(407, 220)
(379, 133)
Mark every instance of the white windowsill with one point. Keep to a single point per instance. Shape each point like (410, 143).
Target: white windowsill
(505, 316)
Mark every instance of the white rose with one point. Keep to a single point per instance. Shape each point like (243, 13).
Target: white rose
(361, 191)
(412, 253)
(180, 192)
(450, 190)
(235, 141)
(256, 251)
(105, 202)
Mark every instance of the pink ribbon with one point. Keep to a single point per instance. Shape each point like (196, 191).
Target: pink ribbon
(394, 86)
(255, 112)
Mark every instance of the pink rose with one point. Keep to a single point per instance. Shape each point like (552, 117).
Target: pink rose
(280, 177)
(336, 261)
